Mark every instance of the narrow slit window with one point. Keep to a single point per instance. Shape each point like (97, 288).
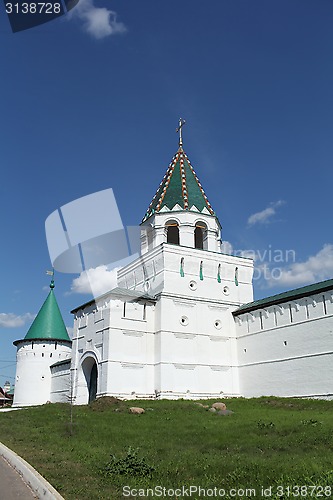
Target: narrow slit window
(198, 238)
(182, 267)
(261, 321)
(236, 276)
(219, 273)
(290, 313)
(324, 305)
(124, 310)
(201, 271)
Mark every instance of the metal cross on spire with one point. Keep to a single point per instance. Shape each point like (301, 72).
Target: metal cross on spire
(179, 129)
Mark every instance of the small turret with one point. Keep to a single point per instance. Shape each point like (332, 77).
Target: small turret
(45, 343)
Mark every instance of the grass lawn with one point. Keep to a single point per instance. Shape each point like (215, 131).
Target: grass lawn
(265, 442)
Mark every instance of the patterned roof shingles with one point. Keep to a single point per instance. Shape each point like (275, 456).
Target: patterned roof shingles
(180, 186)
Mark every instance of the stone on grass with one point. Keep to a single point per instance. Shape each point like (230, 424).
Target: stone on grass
(212, 410)
(219, 406)
(136, 410)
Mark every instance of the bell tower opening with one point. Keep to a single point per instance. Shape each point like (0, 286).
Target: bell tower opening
(200, 235)
(172, 230)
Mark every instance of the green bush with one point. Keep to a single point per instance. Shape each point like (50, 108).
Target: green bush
(130, 465)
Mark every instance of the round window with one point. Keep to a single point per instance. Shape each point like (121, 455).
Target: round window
(226, 290)
(192, 285)
(218, 324)
(184, 320)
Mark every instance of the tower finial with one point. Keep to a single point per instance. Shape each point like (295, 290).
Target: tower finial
(179, 129)
(51, 273)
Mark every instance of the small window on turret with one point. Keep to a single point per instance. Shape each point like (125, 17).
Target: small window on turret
(198, 238)
(172, 229)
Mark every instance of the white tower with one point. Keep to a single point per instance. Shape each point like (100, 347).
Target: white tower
(46, 342)
(196, 287)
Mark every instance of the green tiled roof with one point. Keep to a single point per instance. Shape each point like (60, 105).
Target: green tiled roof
(181, 186)
(297, 293)
(48, 323)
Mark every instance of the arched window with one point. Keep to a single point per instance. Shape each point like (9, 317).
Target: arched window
(172, 229)
(200, 234)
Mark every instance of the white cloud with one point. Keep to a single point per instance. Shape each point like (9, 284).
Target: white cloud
(10, 320)
(96, 281)
(226, 247)
(99, 22)
(316, 268)
(274, 267)
(264, 217)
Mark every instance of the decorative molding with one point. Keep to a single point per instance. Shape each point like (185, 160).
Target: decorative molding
(295, 304)
(131, 365)
(133, 333)
(219, 368)
(185, 335)
(218, 307)
(176, 208)
(184, 303)
(184, 367)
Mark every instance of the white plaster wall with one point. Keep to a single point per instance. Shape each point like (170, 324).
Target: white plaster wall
(287, 358)
(147, 268)
(194, 345)
(61, 383)
(33, 374)
(161, 269)
(121, 345)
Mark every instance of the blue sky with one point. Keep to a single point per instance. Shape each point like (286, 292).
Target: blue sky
(91, 101)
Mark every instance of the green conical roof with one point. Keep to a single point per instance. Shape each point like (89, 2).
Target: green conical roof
(180, 186)
(48, 323)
